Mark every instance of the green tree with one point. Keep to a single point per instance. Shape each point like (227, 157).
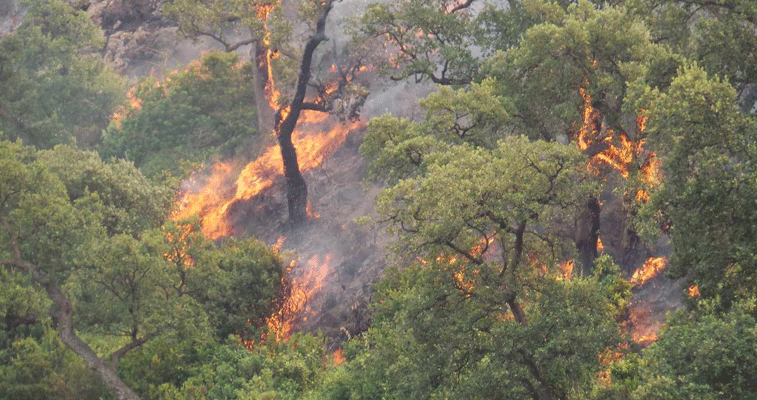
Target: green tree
(270, 35)
(55, 88)
(703, 355)
(484, 222)
(441, 41)
(89, 234)
(187, 117)
(41, 367)
(274, 370)
(719, 35)
(431, 337)
(707, 148)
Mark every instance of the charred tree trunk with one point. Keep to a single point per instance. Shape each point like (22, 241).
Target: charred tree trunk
(297, 189)
(286, 120)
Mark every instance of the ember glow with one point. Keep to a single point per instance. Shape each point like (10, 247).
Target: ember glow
(301, 290)
(339, 356)
(643, 331)
(649, 270)
(566, 269)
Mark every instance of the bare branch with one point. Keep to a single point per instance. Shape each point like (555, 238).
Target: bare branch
(461, 6)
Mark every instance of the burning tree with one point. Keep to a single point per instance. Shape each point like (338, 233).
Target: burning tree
(478, 226)
(707, 203)
(560, 74)
(265, 28)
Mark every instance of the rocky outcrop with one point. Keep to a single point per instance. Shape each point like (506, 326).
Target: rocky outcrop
(127, 51)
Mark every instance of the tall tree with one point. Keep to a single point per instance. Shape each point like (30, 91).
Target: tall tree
(707, 148)
(721, 36)
(270, 35)
(186, 118)
(89, 234)
(479, 228)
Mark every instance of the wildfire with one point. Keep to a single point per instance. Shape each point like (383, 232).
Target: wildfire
(617, 155)
(608, 357)
(649, 270)
(566, 269)
(693, 291)
(212, 201)
(462, 282)
(339, 357)
(651, 175)
(302, 289)
(310, 213)
(135, 104)
(619, 150)
(643, 331)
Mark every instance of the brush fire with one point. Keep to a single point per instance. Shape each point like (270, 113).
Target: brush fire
(613, 150)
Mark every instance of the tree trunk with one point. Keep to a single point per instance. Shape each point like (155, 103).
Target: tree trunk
(263, 87)
(62, 313)
(63, 317)
(297, 192)
(297, 189)
(587, 235)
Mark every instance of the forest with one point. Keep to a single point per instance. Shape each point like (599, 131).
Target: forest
(378, 199)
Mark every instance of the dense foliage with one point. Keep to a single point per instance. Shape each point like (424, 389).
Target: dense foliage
(55, 88)
(101, 296)
(176, 123)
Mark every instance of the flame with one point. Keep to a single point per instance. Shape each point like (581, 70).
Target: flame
(643, 331)
(600, 246)
(608, 357)
(651, 176)
(649, 270)
(463, 283)
(693, 291)
(566, 269)
(310, 213)
(339, 357)
(135, 104)
(620, 151)
(279, 244)
(282, 322)
(217, 194)
(263, 10)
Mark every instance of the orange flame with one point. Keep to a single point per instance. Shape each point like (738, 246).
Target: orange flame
(463, 283)
(339, 357)
(310, 213)
(608, 357)
(217, 194)
(282, 322)
(649, 270)
(651, 175)
(620, 151)
(643, 331)
(566, 269)
(693, 291)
